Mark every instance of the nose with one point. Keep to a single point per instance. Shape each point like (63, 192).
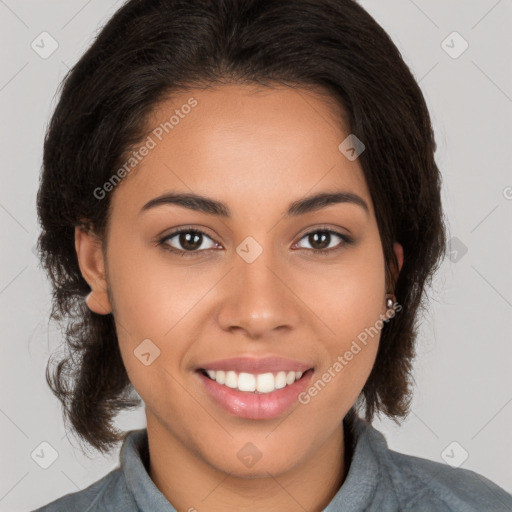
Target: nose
(259, 298)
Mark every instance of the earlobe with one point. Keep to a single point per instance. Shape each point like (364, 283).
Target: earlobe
(98, 302)
(92, 266)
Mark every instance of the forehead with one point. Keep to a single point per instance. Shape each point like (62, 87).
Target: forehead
(243, 144)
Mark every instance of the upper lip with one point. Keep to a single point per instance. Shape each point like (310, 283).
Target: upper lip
(256, 365)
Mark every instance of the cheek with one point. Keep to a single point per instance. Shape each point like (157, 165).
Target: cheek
(348, 295)
(348, 299)
(152, 306)
(150, 293)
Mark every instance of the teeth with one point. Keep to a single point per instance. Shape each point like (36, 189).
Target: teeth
(219, 376)
(246, 382)
(261, 383)
(280, 381)
(231, 380)
(266, 383)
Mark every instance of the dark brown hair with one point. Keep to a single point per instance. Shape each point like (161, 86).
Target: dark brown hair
(149, 49)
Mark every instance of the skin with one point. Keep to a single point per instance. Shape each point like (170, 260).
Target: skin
(256, 149)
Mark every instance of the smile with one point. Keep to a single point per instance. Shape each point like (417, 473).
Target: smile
(254, 396)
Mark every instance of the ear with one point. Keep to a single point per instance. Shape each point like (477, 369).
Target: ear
(399, 252)
(92, 266)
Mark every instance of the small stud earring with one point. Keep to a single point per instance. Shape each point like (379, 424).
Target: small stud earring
(390, 301)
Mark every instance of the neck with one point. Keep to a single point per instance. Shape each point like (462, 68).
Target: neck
(190, 483)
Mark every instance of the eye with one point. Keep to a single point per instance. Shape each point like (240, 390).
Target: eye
(321, 240)
(189, 242)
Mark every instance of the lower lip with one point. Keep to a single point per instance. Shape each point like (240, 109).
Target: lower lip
(255, 406)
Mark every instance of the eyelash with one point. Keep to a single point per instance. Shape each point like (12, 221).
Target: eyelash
(321, 252)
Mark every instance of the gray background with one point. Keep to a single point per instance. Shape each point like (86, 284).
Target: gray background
(463, 391)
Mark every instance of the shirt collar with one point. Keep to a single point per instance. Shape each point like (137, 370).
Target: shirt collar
(134, 457)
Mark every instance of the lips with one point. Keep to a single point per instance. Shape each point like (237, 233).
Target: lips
(271, 401)
(256, 365)
(252, 405)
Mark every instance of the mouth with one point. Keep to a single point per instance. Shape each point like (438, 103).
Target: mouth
(254, 396)
(258, 383)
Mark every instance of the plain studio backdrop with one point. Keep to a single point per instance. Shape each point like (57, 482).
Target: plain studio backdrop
(462, 410)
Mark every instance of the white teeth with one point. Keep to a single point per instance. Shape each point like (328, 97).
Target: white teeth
(280, 380)
(261, 383)
(231, 380)
(246, 382)
(265, 383)
(219, 376)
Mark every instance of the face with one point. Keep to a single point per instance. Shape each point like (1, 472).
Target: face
(283, 287)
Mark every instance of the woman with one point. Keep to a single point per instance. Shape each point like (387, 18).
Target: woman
(240, 215)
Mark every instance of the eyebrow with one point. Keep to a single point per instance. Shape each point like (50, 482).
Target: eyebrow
(213, 207)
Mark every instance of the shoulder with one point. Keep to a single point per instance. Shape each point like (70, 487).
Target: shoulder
(113, 492)
(424, 481)
(419, 483)
(104, 494)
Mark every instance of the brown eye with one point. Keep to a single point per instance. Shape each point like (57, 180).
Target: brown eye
(321, 240)
(186, 242)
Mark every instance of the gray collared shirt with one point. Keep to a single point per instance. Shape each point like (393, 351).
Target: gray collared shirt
(379, 479)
